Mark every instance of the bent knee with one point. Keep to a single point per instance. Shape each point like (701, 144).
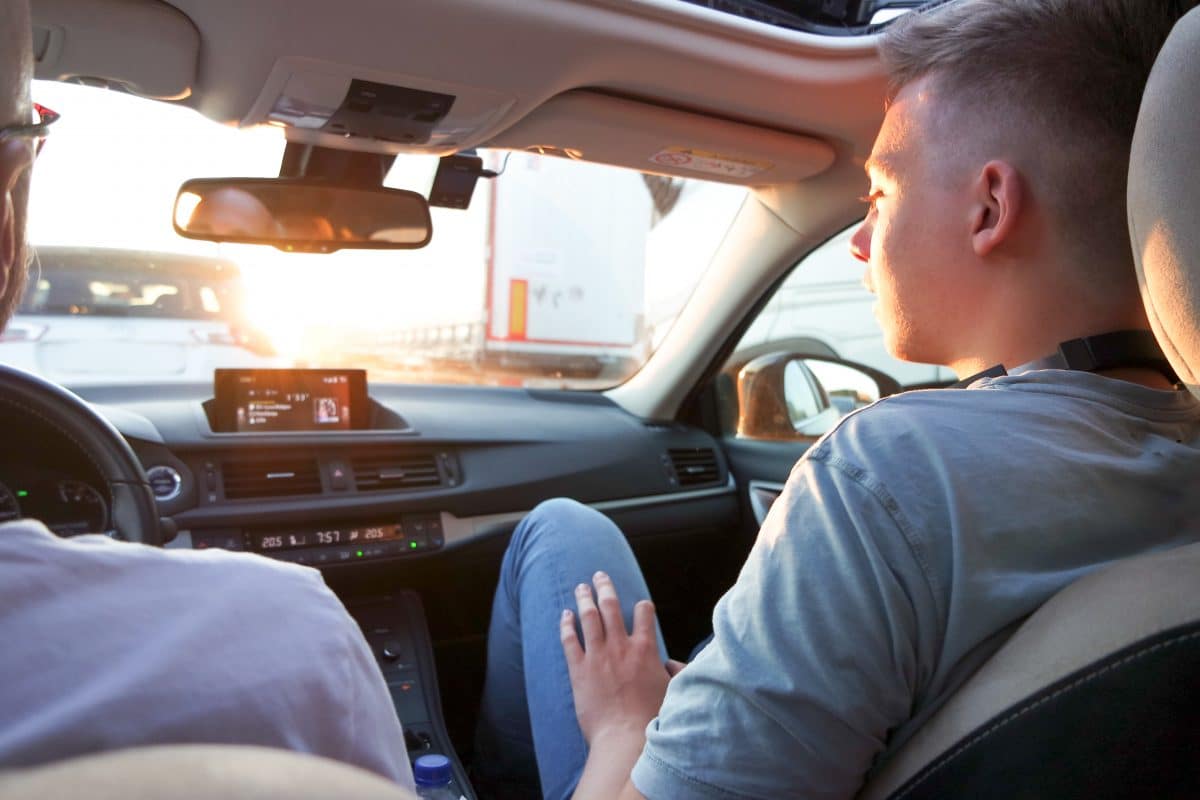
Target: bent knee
(564, 519)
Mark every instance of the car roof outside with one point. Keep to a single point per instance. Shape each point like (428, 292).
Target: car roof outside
(178, 265)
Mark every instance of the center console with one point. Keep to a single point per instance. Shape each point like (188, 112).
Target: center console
(330, 406)
(395, 629)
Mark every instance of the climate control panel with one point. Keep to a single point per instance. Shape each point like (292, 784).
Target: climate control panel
(407, 535)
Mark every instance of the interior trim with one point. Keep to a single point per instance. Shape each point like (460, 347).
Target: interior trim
(625, 132)
(460, 530)
(763, 34)
(146, 46)
(762, 495)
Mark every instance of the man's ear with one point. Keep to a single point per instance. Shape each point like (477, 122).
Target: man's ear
(15, 158)
(996, 197)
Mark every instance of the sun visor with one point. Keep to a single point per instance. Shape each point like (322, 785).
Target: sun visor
(601, 128)
(145, 47)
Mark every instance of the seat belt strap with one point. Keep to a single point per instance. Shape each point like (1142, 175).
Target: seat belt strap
(1094, 354)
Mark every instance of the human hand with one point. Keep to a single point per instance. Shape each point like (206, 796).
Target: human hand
(617, 677)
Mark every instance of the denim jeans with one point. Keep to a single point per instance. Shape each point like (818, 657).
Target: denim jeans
(527, 727)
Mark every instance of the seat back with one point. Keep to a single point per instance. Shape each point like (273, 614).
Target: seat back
(187, 772)
(1098, 693)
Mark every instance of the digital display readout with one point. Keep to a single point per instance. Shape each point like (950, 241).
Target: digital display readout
(291, 540)
(269, 400)
(303, 402)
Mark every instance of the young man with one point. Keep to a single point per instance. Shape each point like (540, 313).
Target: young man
(110, 645)
(911, 540)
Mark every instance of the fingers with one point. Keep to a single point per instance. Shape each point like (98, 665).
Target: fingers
(589, 617)
(673, 667)
(643, 620)
(572, 649)
(601, 619)
(610, 606)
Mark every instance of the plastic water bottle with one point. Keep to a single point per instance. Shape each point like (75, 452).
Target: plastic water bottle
(432, 775)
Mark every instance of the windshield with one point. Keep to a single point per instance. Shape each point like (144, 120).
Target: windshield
(560, 274)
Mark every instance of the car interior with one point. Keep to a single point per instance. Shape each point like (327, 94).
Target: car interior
(404, 494)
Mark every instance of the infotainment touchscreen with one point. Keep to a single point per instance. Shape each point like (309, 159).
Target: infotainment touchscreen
(290, 399)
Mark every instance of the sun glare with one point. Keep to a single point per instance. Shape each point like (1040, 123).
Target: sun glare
(599, 266)
(297, 300)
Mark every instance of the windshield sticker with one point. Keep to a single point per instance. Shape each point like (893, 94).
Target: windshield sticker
(705, 161)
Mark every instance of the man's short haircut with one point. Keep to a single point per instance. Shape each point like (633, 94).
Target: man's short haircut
(1068, 74)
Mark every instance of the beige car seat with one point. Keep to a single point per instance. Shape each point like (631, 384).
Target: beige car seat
(189, 772)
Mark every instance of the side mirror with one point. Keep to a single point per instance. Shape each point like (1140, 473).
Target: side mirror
(790, 396)
(303, 215)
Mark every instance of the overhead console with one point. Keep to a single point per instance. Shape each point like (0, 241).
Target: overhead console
(340, 106)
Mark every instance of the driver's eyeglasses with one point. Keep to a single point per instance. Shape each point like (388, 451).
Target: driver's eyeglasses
(38, 130)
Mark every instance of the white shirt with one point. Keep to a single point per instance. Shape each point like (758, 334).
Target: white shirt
(106, 644)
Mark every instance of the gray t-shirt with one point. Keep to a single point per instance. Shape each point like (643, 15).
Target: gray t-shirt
(908, 544)
(108, 644)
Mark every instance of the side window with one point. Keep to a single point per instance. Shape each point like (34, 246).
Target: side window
(821, 309)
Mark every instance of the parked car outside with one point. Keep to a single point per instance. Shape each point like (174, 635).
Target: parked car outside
(96, 315)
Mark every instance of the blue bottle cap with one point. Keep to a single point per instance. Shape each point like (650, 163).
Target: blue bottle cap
(431, 770)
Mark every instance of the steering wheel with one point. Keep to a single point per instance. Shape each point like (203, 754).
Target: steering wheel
(134, 513)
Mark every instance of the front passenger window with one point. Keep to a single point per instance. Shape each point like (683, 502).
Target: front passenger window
(821, 309)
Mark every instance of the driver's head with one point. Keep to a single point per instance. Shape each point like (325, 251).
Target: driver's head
(304, 226)
(233, 212)
(997, 227)
(16, 154)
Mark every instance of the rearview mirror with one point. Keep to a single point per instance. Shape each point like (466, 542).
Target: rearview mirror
(297, 214)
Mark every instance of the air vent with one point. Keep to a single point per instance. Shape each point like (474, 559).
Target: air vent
(695, 465)
(396, 470)
(275, 478)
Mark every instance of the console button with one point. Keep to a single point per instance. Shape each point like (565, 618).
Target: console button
(224, 539)
(392, 650)
(433, 528)
(339, 476)
(417, 740)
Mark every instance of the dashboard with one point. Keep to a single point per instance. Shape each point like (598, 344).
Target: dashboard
(66, 505)
(53, 482)
(433, 469)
